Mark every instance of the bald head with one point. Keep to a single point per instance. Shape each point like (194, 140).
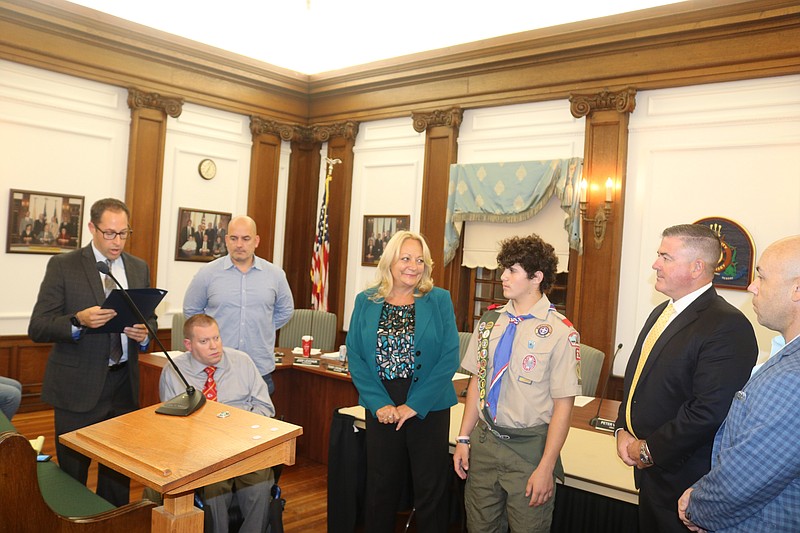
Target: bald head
(776, 288)
(242, 241)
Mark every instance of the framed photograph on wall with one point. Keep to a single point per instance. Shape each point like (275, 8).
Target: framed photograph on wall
(201, 235)
(43, 222)
(378, 229)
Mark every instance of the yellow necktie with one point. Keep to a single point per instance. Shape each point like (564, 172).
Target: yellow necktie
(652, 337)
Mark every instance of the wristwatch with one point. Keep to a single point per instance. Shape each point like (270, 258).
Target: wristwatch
(644, 454)
(75, 322)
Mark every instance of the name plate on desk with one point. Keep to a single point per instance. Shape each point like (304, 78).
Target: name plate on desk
(306, 361)
(338, 369)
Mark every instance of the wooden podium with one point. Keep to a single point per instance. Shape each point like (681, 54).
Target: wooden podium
(175, 455)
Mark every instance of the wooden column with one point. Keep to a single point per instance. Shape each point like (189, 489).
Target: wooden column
(262, 194)
(441, 150)
(301, 212)
(341, 137)
(146, 171)
(593, 290)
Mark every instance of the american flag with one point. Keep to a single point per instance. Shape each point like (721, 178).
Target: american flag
(319, 262)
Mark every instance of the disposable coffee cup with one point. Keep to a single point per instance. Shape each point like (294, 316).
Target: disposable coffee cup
(307, 341)
(342, 353)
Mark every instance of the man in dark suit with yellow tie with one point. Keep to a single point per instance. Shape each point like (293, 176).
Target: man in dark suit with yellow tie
(90, 377)
(692, 355)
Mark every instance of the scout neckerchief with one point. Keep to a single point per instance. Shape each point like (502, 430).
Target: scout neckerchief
(502, 356)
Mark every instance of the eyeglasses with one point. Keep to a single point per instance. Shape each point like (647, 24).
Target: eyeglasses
(111, 235)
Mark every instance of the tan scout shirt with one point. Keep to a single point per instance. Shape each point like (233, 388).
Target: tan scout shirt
(544, 364)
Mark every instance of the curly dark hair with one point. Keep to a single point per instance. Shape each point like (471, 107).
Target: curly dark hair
(533, 254)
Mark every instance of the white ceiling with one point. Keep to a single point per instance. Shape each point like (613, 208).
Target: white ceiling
(312, 36)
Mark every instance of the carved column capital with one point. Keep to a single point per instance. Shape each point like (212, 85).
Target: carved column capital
(447, 117)
(623, 101)
(347, 129)
(138, 99)
(261, 126)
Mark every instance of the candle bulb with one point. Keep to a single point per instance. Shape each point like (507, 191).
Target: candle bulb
(584, 186)
(609, 189)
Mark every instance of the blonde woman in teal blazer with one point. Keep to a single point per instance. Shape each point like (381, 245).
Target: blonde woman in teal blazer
(402, 346)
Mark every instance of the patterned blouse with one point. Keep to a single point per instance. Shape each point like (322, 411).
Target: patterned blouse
(395, 351)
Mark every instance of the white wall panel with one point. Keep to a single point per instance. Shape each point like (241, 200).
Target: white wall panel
(58, 134)
(199, 133)
(727, 150)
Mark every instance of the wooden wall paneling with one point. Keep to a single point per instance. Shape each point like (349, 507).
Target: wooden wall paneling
(341, 138)
(301, 212)
(594, 276)
(146, 170)
(262, 197)
(316, 394)
(25, 361)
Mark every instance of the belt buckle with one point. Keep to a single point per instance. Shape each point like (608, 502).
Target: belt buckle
(498, 434)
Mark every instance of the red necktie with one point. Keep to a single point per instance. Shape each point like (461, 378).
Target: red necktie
(210, 388)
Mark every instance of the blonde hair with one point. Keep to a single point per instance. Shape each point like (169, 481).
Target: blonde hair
(199, 320)
(384, 283)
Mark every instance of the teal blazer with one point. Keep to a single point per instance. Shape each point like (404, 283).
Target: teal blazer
(435, 358)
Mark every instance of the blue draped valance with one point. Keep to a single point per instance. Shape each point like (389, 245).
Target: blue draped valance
(512, 192)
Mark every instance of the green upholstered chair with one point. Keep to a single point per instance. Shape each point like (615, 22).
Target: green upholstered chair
(591, 365)
(177, 332)
(319, 324)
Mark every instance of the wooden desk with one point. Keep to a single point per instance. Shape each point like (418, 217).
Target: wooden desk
(304, 395)
(175, 455)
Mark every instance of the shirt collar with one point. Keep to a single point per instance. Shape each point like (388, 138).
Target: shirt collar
(100, 257)
(682, 303)
(227, 263)
(197, 367)
(539, 309)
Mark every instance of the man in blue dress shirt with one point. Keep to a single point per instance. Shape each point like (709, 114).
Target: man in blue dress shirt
(754, 482)
(247, 295)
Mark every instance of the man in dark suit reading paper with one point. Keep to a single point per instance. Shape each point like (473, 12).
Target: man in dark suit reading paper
(692, 355)
(91, 378)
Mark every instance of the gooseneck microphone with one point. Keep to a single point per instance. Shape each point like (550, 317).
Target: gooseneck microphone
(602, 423)
(183, 404)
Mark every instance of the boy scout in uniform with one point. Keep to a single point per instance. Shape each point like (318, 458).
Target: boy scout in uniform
(525, 362)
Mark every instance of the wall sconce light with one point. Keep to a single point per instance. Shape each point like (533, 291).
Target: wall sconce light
(602, 215)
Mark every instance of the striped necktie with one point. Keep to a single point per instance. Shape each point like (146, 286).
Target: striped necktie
(115, 338)
(647, 347)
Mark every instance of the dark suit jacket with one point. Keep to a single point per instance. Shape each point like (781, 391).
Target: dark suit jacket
(685, 390)
(436, 357)
(76, 370)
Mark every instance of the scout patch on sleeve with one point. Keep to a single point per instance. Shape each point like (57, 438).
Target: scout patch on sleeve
(574, 339)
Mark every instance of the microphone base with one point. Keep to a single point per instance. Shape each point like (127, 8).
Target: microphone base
(183, 404)
(602, 424)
